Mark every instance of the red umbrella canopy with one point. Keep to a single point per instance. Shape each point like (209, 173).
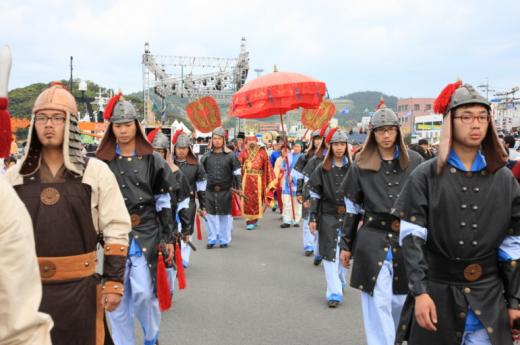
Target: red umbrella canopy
(276, 93)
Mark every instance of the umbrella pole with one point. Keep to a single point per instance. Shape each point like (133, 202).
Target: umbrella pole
(304, 134)
(288, 168)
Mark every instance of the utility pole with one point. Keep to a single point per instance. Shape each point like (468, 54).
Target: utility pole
(70, 82)
(485, 88)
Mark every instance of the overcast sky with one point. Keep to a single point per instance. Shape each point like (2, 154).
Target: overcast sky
(407, 48)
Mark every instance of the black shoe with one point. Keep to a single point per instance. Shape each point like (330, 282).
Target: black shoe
(209, 246)
(317, 260)
(223, 245)
(332, 304)
(296, 225)
(308, 252)
(285, 225)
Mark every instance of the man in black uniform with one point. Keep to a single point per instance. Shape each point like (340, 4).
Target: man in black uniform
(373, 183)
(460, 232)
(185, 159)
(145, 180)
(223, 173)
(309, 168)
(308, 238)
(328, 205)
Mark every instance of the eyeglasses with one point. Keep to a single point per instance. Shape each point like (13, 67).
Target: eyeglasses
(55, 119)
(384, 130)
(468, 119)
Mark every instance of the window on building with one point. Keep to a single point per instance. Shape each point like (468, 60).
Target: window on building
(416, 107)
(406, 107)
(427, 107)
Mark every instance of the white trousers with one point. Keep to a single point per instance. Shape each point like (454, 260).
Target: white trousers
(381, 312)
(478, 337)
(335, 275)
(287, 210)
(219, 228)
(308, 238)
(138, 302)
(185, 252)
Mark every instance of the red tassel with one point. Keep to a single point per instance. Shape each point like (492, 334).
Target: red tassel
(199, 231)
(331, 133)
(443, 100)
(176, 136)
(324, 129)
(5, 129)
(110, 106)
(381, 104)
(163, 287)
(152, 134)
(236, 210)
(181, 277)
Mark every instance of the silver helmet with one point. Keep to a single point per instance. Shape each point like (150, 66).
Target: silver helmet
(339, 137)
(123, 111)
(466, 94)
(220, 131)
(161, 141)
(384, 117)
(183, 141)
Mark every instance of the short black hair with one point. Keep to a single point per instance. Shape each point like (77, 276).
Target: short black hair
(510, 141)
(423, 141)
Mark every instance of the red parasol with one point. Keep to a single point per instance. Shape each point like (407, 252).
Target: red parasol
(275, 94)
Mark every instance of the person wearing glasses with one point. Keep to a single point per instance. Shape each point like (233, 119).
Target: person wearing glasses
(460, 232)
(373, 184)
(73, 202)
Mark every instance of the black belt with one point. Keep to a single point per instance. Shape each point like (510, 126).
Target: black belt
(382, 221)
(332, 209)
(462, 271)
(218, 187)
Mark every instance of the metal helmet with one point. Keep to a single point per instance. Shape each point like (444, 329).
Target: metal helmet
(384, 117)
(316, 133)
(466, 94)
(183, 141)
(123, 112)
(339, 137)
(220, 131)
(56, 97)
(161, 141)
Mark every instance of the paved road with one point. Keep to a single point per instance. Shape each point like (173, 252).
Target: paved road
(261, 290)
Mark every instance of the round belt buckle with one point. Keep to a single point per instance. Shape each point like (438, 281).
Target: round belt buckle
(47, 269)
(217, 188)
(396, 224)
(472, 272)
(49, 196)
(136, 219)
(342, 210)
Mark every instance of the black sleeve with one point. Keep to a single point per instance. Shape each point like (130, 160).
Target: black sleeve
(351, 185)
(162, 175)
(412, 206)
(201, 195)
(315, 184)
(510, 272)
(237, 179)
(182, 194)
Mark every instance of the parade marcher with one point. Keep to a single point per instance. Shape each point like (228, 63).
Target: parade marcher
(73, 202)
(292, 210)
(223, 174)
(303, 197)
(460, 232)
(373, 183)
(186, 160)
(240, 145)
(258, 181)
(22, 323)
(145, 180)
(180, 192)
(311, 165)
(328, 211)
